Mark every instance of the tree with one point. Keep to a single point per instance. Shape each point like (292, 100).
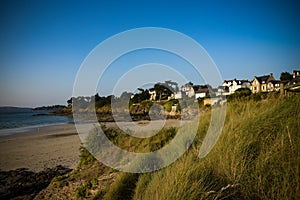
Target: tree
(139, 97)
(70, 102)
(162, 90)
(173, 85)
(125, 95)
(285, 76)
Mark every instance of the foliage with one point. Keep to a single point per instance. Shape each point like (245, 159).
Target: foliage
(59, 181)
(286, 76)
(168, 105)
(85, 157)
(241, 93)
(162, 90)
(82, 191)
(124, 141)
(139, 97)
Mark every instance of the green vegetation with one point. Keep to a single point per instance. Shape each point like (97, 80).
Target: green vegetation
(286, 76)
(126, 142)
(256, 157)
(60, 181)
(82, 191)
(85, 157)
(168, 105)
(123, 188)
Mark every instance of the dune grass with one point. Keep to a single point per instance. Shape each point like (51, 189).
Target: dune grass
(256, 157)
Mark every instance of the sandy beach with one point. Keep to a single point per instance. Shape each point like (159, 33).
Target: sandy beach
(47, 147)
(40, 148)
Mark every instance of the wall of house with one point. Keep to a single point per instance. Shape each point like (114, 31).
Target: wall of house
(200, 95)
(255, 87)
(234, 87)
(178, 95)
(263, 87)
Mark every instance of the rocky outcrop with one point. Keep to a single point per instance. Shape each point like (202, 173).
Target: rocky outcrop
(25, 184)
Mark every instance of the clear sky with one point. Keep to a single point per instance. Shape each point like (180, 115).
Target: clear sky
(43, 43)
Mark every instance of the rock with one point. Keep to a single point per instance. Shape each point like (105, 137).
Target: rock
(25, 184)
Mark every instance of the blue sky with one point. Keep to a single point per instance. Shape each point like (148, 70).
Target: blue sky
(43, 43)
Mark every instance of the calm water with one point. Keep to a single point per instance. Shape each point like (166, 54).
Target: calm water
(14, 120)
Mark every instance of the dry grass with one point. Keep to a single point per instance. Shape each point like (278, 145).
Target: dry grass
(256, 157)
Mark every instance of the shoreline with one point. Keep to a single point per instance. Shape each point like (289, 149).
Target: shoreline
(28, 129)
(40, 148)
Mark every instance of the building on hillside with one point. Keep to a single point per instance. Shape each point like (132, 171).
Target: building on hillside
(187, 89)
(233, 85)
(153, 94)
(260, 83)
(294, 84)
(222, 90)
(190, 90)
(178, 95)
(296, 73)
(273, 85)
(202, 92)
(172, 96)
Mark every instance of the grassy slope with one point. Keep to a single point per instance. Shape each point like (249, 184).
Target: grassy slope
(257, 157)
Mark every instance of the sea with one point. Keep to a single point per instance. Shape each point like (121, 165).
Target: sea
(19, 120)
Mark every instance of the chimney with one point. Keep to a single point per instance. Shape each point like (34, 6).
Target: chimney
(271, 74)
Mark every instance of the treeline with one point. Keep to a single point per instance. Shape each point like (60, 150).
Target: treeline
(163, 91)
(53, 107)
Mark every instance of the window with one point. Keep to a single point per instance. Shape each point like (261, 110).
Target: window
(263, 87)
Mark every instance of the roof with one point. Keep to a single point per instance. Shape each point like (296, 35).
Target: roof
(262, 78)
(296, 73)
(275, 81)
(295, 80)
(239, 82)
(200, 88)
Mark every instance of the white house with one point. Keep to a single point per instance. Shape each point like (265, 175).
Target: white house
(201, 93)
(188, 90)
(178, 95)
(235, 84)
(153, 94)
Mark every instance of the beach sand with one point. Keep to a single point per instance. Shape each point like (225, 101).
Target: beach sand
(47, 147)
(40, 148)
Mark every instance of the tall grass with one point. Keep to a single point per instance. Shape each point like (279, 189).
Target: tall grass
(256, 157)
